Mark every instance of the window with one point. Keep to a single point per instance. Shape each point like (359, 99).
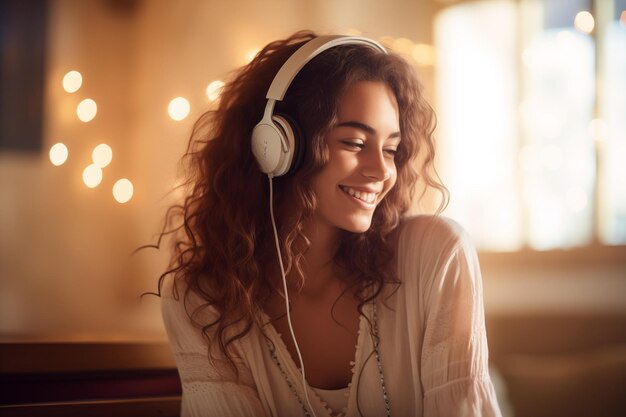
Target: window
(532, 142)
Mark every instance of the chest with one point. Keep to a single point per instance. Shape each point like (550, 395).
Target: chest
(327, 335)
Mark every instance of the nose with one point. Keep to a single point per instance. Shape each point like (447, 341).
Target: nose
(376, 166)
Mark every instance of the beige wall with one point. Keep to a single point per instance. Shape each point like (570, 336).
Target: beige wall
(60, 242)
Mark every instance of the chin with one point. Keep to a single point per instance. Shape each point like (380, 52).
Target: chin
(357, 225)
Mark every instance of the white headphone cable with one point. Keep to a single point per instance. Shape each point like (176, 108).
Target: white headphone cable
(282, 270)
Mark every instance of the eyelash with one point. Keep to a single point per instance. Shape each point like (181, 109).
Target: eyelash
(350, 144)
(358, 145)
(392, 152)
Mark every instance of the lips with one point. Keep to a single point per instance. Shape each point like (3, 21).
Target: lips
(367, 197)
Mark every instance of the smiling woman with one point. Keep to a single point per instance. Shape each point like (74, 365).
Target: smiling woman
(344, 305)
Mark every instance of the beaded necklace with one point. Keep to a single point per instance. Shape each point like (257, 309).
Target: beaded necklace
(292, 387)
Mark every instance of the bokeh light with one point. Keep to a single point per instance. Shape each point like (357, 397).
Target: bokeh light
(92, 176)
(424, 54)
(584, 22)
(403, 46)
(102, 155)
(178, 108)
(58, 154)
(214, 90)
(87, 110)
(72, 81)
(386, 41)
(251, 54)
(123, 190)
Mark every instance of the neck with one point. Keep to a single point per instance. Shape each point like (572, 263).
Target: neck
(321, 275)
(319, 270)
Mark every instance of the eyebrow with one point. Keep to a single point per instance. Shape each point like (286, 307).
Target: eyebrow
(368, 129)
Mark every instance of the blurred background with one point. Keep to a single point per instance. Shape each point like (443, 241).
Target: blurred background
(98, 98)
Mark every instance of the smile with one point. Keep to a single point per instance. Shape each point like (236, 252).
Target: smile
(368, 198)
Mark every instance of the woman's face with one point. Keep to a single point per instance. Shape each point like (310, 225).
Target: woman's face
(360, 170)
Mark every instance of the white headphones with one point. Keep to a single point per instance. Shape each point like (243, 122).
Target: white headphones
(274, 142)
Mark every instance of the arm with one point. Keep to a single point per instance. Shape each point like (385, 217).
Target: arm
(455, 374)
(210, 387)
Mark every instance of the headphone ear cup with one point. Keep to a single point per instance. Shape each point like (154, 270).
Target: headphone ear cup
(268, 148)
(295, 139)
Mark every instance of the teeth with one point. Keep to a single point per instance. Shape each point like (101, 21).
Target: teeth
(363, 196)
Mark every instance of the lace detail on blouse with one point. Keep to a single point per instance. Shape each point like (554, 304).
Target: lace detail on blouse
(196, 367)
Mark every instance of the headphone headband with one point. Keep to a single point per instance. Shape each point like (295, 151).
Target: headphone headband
(307, 52)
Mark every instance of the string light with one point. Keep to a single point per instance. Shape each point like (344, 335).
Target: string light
(214, 90)
(102, 155)
(92, 176)
(58, 154)
(123, 190)
(87, 110)
(72, 81)
(178, 108)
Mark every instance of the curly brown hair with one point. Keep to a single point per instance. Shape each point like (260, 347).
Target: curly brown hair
(223, 245)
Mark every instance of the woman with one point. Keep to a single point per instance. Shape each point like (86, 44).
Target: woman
(385, 312)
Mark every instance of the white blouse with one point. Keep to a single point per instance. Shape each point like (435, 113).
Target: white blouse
(336, 399)
(433, 345)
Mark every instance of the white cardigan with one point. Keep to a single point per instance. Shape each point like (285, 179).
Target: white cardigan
(433, 344)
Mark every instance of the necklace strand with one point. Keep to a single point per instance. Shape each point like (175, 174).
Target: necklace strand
(376, 355)
(282, 371)
(380, 365)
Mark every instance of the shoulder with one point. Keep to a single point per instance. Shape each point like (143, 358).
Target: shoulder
(183, 309)
(173, 292)
(192, 316)
(176, 291)
(434, 249)
(188, 320)
(432, 234)
(173, 306)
